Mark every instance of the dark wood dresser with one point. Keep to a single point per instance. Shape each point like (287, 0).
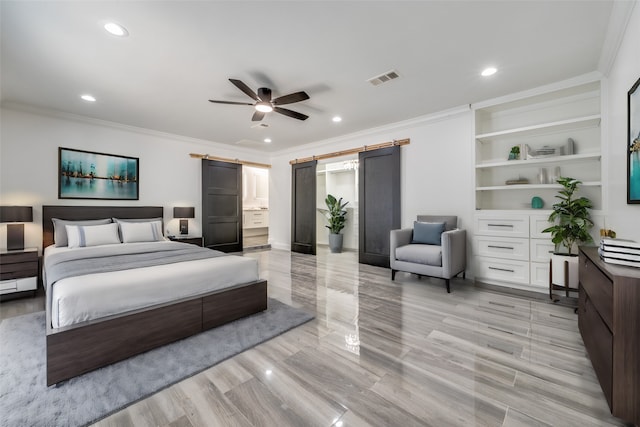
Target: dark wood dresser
(609, 321)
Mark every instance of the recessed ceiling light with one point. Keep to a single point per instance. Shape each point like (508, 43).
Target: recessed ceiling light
(88, 98)
(488, 71)
(267, 140)
(116, 29)
(337, 119)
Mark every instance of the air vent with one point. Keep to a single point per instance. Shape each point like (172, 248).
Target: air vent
(383, 78)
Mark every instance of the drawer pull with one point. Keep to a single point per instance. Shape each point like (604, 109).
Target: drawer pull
(501, 247)
(500, 225)
(502, 269)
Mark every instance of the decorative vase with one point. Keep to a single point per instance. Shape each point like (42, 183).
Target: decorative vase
(542, 176)
(335, 243)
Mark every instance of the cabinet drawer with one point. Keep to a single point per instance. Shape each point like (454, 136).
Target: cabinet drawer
(540, 274)
(599, 289)
(598, 341)
(14, 258)
(18, 270)
(537, 223)
(504, 225)
(503, 270)
(503, 247)
(541, 250)
(18, 285)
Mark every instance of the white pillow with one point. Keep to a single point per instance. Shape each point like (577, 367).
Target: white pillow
(60, 231)
(80, 236)
(141, 231)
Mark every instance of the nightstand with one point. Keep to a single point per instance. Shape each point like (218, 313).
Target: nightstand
(18, 272)
(192, 240)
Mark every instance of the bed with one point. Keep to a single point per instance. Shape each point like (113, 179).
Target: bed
(100, 317)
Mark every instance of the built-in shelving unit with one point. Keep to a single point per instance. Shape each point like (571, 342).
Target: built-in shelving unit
(567, 120)
(558, 133)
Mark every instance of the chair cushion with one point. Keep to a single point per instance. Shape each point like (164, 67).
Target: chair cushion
(428, 233)
(420, 254)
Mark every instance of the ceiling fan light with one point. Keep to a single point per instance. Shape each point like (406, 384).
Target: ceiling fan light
(264, 107)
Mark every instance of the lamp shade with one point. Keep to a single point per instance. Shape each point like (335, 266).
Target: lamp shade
(184, 212)
(16, 214)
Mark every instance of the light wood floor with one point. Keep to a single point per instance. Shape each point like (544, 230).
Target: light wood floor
(383, 353)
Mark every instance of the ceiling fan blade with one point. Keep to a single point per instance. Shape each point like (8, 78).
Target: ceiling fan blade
(290, 113)
(264, 93)
(257, 116)
(230, 102)
(243, 87)
(291, 98)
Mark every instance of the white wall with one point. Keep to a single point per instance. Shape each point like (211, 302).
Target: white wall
(621, 217)
(29, 144)
(436, 170)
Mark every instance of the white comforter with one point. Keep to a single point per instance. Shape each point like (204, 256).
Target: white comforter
(92, 296)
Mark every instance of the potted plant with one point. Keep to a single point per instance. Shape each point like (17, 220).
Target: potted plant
(337, 217)
(572, 222)
(514, 154)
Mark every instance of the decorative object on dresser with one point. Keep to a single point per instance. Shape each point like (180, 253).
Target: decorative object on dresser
(336, 214)
(633, 144)
(434, 247)
(184, 214)
(18, 272)
(572, 223)
(88, 175)
(609, 322)
(620, 251)
(15, 232)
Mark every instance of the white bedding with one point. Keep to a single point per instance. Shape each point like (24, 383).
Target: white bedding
(92, 296)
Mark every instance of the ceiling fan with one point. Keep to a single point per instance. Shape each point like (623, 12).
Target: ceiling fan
(264, 104)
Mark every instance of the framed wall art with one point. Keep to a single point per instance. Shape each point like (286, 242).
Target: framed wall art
(633, 145)
(89, 175)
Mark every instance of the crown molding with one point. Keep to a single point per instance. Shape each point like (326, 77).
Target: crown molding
(402, 125)
(57, 114)
(618, 21)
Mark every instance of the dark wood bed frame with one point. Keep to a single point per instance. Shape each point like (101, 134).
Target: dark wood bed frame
(80, 348)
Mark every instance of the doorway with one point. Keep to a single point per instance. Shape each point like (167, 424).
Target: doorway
(255, 207)
(339, 179)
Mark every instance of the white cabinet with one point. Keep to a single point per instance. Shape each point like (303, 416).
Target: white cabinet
(561, 129)
(510, 249)
(255, 218)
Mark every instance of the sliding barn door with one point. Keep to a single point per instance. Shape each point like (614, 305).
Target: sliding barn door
(222, 205)
(379, 194)
(303, 207)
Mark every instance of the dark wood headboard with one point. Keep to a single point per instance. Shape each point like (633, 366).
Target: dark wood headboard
(77, 213)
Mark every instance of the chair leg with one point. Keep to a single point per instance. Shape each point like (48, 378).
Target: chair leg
(464, 274)
(393, 274)
(448, 288)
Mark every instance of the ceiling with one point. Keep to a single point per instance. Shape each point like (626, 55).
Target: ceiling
(180, 54)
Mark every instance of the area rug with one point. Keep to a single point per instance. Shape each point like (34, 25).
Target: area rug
(25, 400)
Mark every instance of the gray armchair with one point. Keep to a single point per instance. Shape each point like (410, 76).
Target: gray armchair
(444, 261)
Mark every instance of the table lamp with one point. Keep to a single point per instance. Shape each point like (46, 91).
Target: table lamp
(15, 232)
(184, 213)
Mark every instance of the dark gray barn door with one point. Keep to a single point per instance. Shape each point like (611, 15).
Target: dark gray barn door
(222, 205)
(303, 207)
(379, 194)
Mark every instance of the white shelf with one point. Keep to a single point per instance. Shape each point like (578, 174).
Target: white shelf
(559, 126)
(542, 160)
(534, 186)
